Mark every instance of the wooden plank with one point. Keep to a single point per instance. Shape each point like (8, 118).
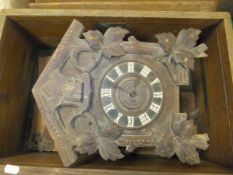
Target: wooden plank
(115, 13)
(168, 5)
(62, 1)
(16, 71)
(146, 165)
(44, 26)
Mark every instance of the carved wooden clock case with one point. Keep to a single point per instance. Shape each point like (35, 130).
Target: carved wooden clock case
(108, 95)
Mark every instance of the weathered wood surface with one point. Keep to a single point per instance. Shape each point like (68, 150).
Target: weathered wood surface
(165, 5)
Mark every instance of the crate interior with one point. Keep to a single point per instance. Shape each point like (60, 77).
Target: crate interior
(25, 37)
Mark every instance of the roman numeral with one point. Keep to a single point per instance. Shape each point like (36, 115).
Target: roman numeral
(144, 118)
(110, 79)
(130, 121)
(154, 107)
(130, 67)
(118, 118)
(155, 81)
(109, 107)
(118, 71)
(145, 71)
(158, 94)
(106, 93)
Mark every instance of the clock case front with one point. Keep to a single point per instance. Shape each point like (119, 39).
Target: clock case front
(141, 136)
(68, 94)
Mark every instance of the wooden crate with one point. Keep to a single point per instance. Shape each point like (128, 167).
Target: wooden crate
(165, 5)
(25, 33)
(226, 5)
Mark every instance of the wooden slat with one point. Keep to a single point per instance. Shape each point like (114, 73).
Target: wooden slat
(44, 25)
(33, 163)
(16, 71)
(168, 5)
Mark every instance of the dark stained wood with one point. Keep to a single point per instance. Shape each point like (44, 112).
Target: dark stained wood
(16, 72)
(217, 99)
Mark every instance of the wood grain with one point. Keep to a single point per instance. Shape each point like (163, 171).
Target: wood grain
(134, 164)
(168, 5)
(16, 71)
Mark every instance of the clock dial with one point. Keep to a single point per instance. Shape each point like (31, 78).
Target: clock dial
(131, 95)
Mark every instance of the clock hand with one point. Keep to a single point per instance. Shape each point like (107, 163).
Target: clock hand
(136, 82)
(116, 86)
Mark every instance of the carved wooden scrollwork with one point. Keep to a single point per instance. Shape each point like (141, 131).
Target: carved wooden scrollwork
(68, 91)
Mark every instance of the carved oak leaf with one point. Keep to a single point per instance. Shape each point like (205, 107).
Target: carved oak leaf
(109, 43)
(181, 140)
(186, 151)
(103, 142)
(114, 34)
(165, 143)
(112, 39)
(135, 46)
(94, 38)
(182, 49)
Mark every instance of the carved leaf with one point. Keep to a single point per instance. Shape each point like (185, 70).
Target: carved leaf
(187, 38)
(184, 58)
(108, 149)
(114, 34)
(87, 144)
(113, 49)
(199, 51)
(94, 39)
(200, 141)
(112, 39)
(166, 40)
(135, 46)
(165, 145)
(186, 152)
(181, 140)
(185, 128)
(182, 49)
(104, 142)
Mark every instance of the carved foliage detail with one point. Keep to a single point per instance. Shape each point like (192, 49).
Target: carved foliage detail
(182, 49)
(180, 53)
(180, 139)
(109, 43)
(102, 139)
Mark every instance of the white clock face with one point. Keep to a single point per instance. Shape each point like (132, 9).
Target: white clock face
(131, 95)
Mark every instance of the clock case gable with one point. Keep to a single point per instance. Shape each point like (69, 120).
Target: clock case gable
(67, 94)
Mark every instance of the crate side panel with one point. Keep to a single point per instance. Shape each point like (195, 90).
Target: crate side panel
(50, 29)
(15, 82)
(215, 118)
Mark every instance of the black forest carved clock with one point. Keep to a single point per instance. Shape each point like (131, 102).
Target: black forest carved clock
(103, 93)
